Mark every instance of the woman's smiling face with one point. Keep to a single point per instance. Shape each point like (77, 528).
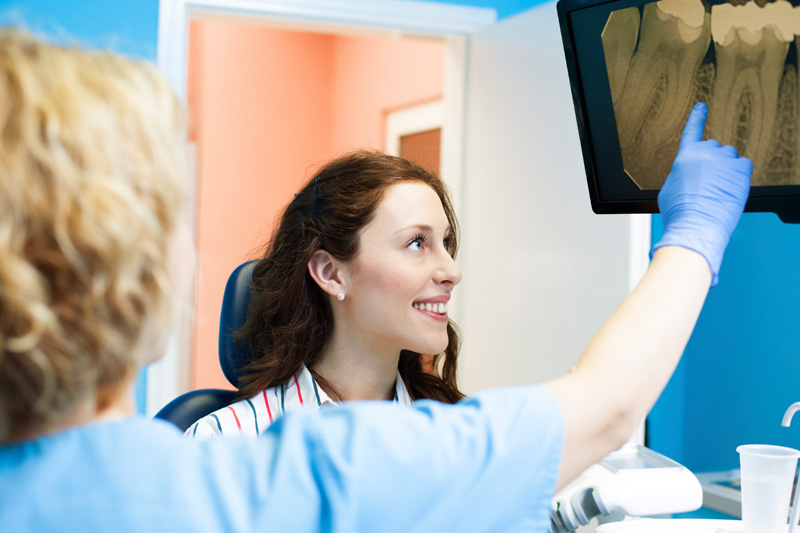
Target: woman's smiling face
(400, 282)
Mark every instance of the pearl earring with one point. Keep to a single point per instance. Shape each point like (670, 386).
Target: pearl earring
(340, 296)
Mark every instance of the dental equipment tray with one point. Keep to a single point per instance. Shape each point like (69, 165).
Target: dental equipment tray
(722, 491)
(637, 67)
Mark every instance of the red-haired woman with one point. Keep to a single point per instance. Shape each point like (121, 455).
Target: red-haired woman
(352, 291)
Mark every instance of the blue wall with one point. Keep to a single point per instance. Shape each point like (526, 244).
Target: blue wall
(130, 28)
(741, 368)
(504, 8)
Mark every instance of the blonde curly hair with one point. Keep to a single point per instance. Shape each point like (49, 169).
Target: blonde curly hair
(90, 190)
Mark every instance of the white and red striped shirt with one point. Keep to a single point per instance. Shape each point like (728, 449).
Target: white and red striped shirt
(254, 415)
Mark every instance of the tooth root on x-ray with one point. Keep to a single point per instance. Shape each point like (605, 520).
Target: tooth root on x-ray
(659, 86)
(619, 41)
(750, 45)
(701, 92)
(704, 82)
(779, 166)
(795, 117)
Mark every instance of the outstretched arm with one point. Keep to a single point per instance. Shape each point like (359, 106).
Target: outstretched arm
(629, 361)
(488, 463)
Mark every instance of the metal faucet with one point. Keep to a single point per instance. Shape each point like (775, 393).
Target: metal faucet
(787, 421)
(787, 417)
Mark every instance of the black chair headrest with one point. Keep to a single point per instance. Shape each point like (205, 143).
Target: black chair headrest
(234, 356)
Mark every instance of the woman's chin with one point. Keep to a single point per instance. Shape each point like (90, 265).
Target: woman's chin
(434, 347)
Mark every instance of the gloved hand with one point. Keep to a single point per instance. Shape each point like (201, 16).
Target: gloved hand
(704, 195)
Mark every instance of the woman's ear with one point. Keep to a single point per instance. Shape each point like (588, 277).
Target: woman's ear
(324, 269)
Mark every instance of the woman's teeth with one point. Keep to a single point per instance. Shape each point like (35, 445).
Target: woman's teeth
(440, 308)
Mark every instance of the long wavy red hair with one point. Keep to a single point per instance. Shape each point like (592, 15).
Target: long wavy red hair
(290, 319)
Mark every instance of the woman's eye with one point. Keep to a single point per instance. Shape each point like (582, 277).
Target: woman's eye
(448, 244)
(417, 243)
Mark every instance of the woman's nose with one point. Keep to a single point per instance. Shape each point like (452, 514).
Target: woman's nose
(447, 271)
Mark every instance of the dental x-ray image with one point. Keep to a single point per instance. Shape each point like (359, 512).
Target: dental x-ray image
(738, 57)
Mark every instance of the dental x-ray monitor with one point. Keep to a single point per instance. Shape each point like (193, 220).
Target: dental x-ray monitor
(637, 67)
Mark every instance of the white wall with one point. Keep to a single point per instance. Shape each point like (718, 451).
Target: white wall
(541, 270)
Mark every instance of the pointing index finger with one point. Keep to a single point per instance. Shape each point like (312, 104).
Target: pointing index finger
(695, 124)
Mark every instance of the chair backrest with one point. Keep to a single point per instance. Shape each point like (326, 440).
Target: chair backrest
(190, 407)
(234, 355)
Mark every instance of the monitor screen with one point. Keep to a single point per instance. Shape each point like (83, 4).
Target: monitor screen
(637, 67)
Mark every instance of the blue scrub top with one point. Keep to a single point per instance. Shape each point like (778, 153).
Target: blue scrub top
(489, 463)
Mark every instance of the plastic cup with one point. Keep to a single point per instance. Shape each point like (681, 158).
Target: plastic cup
(767, 476)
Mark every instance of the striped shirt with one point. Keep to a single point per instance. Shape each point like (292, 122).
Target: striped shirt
(254, 415)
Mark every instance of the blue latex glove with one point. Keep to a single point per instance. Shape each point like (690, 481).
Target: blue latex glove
(704, 195)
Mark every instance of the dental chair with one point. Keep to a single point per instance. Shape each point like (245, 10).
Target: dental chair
(184, 410)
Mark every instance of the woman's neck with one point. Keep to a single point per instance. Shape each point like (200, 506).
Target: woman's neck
(358, 372)
(119, 404)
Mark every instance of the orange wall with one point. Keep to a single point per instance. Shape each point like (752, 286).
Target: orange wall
(266, 107)
(372, 76)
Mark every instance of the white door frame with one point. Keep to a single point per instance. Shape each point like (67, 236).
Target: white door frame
(453, 23)
(393, 16)
(410, 120)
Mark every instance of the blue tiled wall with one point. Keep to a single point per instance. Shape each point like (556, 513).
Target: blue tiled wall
(741, 368)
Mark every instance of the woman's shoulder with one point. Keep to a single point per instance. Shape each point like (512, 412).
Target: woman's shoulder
(240, 418)
(252, 416)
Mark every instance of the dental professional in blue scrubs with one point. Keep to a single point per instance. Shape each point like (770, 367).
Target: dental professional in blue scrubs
(92, 253)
